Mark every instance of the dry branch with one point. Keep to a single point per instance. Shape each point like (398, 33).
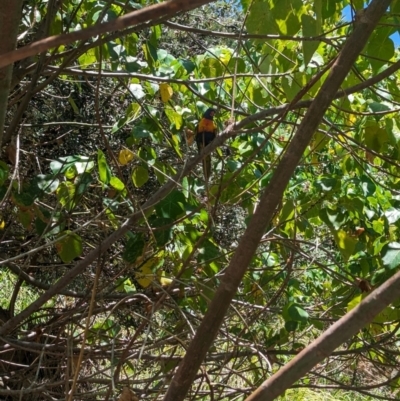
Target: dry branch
(270, 199)
(151, 14)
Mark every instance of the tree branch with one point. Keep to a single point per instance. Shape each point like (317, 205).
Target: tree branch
(10, 13)
(323, 346)
(270, 199)
(167, 9)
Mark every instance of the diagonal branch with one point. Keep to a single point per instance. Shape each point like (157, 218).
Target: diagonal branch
(149, 14)
(323, 346)
(270, 199)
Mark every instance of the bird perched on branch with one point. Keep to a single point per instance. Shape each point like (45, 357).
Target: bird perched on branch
(206, 131)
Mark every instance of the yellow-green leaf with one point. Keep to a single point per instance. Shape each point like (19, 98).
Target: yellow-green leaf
(140, 176)
(166, 92)
(346, 243)
(125, 156)
(69, 247)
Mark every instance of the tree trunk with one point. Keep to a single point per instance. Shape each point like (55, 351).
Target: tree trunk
(10, 16)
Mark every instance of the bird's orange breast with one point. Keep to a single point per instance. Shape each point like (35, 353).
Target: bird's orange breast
(206, 125)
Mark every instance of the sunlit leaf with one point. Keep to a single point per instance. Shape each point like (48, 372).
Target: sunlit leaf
(391, 255)
(165, 92)
(104, 170)
(140, 175)
(70, 247)
(125, 156)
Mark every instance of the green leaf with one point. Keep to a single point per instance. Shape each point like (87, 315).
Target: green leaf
(392, 215)
(47, 183)
(291, 325)
(333, 217)
(66, 195)
(162, 236)
(310, 29)
(133, 248)
(391, 255)
(25, 217)
(27, 195)
(140, 175)
(116, 183)
(211, 67)
(87, 59)
(376, 107)
(173, 206)
(326, 184)
(83, 183)
(380, 48)
(4, 170)
(81, 163)
(375, 136)
(346, 243)
(294, 312)
(69, 247)
(174, 118)
(104, 170)
(260, 20)
(355, 301)
(393, 132)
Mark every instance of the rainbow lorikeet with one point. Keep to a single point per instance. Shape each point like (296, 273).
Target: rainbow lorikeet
(206, 131)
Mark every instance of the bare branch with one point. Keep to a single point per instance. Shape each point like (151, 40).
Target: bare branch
(151, 14)
(271, 197)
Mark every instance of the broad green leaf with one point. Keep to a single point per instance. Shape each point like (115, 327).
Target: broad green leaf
(173, 206)
(87, 59)
(391, 255)
(83, 183)
(345, 242)
(297, 313)
(133, 248)
(174, 118)
(260, 20)
(333, 218)
(393, 131)
(66, 195)
(376, 107)
(81, 163)
(211, 67)
(4, 170)
(380, 47)
(326, 184)
(25, 217)
(310, 29)
(47, 183)
(116, 183)
(140, 175)
(69, 247)
(207, 256)
(26, 195)
(356, 301)
(104, 170)
(291, 325)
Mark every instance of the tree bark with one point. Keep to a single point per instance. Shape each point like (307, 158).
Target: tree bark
(10, 15)
(152, 14)
(270, 199)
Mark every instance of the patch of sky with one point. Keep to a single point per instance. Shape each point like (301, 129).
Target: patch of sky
(348, 15)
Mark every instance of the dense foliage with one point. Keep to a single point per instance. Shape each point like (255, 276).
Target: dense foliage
(96, 129)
